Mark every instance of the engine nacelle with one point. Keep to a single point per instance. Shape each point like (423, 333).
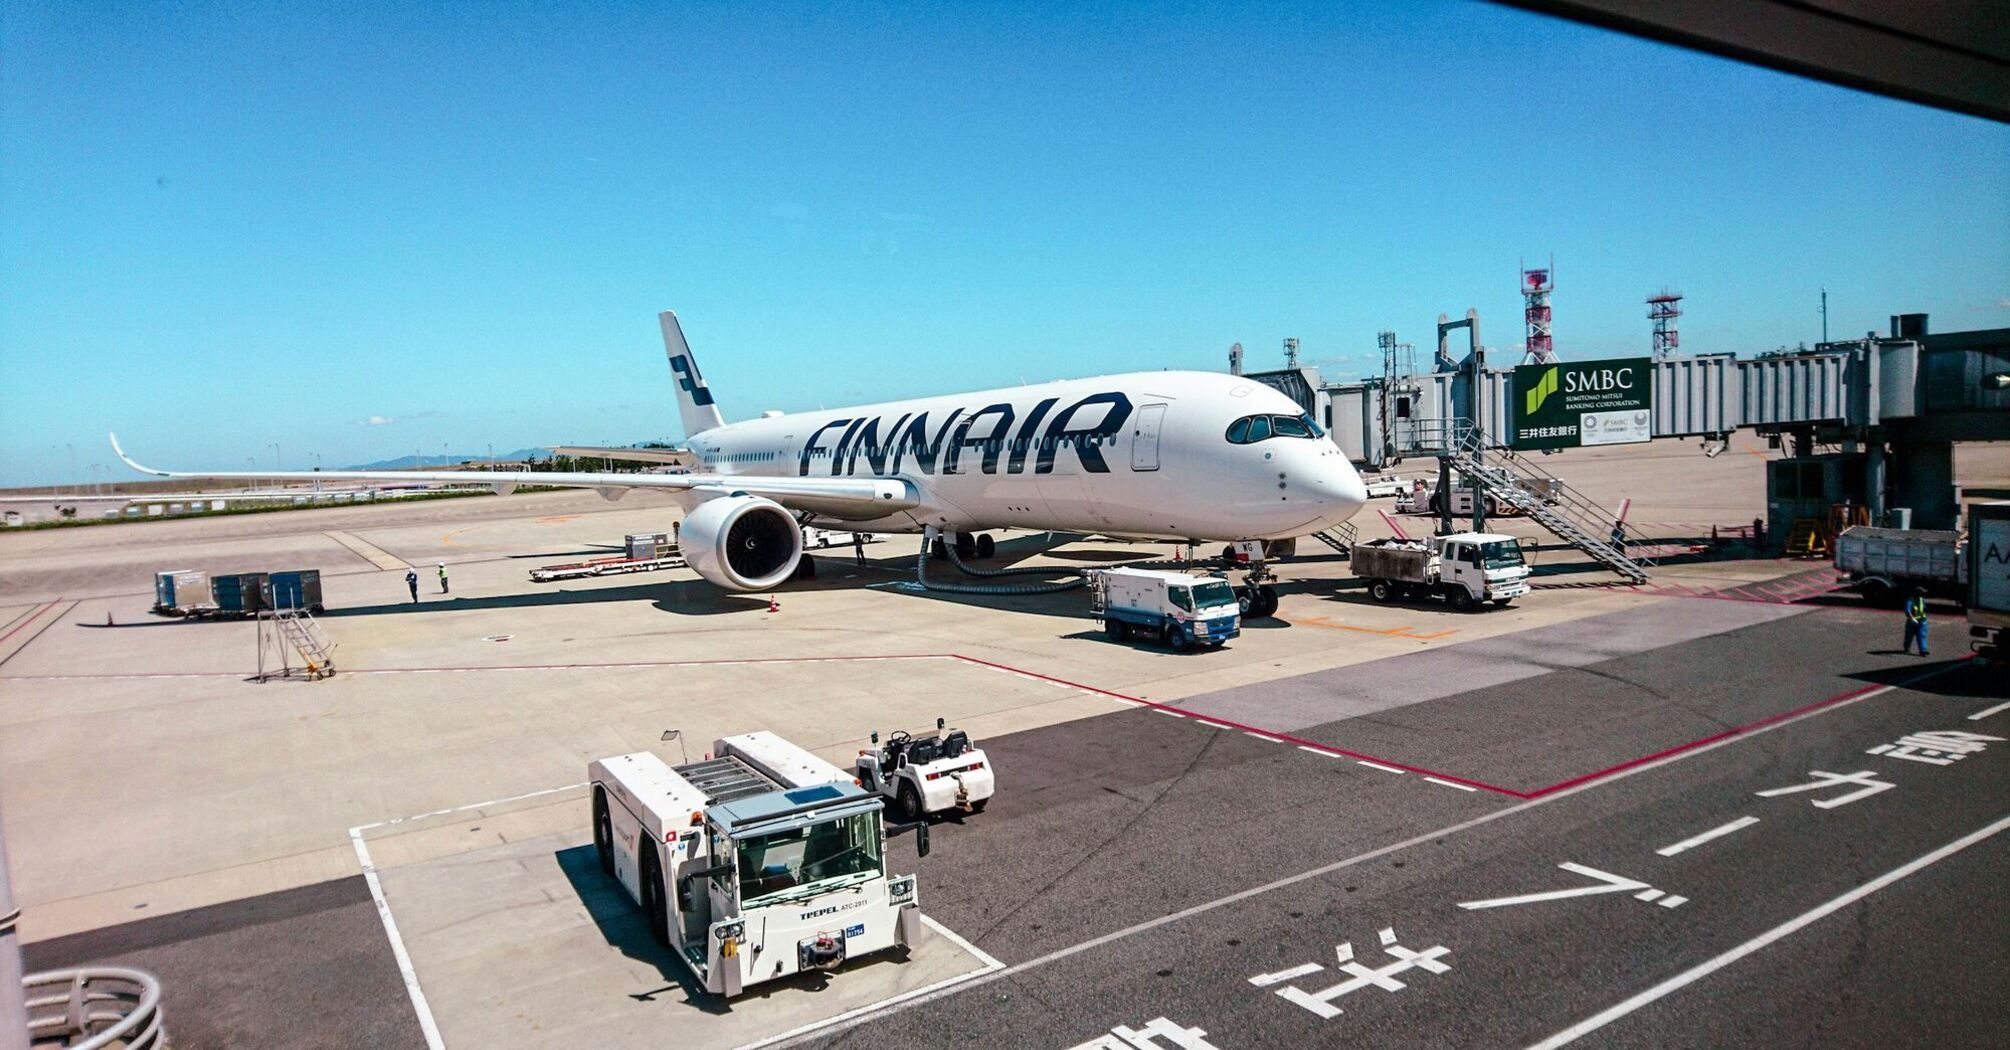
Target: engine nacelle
(741, 543)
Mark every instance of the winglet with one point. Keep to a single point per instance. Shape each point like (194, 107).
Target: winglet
(129, 460)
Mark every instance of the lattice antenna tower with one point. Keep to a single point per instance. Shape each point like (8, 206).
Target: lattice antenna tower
(1535, 288)
(1290, 352)
(1663, 309)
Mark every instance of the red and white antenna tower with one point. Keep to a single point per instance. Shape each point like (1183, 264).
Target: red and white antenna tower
(1663, 309)
(1535, 288)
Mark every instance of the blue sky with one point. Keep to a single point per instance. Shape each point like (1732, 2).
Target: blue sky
(366, 230)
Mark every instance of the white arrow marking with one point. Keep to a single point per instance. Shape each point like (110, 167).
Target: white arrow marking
(1609, 883)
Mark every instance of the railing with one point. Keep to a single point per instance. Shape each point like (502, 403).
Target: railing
(1556, 506)
(103, 1006)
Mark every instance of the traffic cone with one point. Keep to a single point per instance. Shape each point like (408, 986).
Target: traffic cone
(773, 604)
(108, 618)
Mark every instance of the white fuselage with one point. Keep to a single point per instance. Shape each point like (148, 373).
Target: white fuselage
(1144, 454)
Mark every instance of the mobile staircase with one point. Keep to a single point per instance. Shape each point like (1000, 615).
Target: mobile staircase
(286, 633)
(1340, 537)
(1557, 507)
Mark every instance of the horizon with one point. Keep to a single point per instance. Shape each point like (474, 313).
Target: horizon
(381, 231)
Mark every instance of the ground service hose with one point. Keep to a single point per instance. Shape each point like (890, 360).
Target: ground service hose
(921, 576)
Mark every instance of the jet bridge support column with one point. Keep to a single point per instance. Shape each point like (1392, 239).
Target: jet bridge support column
(1923, 479)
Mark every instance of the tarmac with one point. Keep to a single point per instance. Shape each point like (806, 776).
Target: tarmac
(399, 855)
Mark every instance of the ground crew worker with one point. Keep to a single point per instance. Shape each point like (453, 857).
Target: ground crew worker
(443, 577)
(1619, 536)
(412, 581)
(1915, 621)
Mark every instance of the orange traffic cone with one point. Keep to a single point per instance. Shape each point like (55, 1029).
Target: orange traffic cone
(773, 604)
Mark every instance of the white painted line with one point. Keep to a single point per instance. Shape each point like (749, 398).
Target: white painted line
(427, 1025)
(1163, 711)
(1388, 936)
(1449, 784)
(1128, 703)
(1239, 896)
(1265, 980)
(1380, 766)
(1704, 969)
(1649, 894)
(953, 938)
(1673, 901)
(853, 1016)
(1321, 752)
(1717, 832)
(1262, 736)
(1980, 715)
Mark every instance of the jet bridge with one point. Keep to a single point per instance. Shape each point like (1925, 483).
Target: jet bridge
(1867, 424)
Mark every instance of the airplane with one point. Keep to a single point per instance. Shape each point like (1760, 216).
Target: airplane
(1201, 457)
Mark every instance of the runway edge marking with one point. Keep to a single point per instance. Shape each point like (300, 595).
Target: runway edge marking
(1634, 769)
(1785, 929)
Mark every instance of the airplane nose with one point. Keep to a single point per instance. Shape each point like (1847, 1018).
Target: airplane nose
(1339, 484)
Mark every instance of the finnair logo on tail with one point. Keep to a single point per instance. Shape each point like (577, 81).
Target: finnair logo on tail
(688, 380)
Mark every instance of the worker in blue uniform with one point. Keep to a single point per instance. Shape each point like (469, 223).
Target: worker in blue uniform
(1915, 621)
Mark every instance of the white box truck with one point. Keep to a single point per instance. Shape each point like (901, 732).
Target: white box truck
(1464, 568)
(758, 862)
(1989, 581)
(1170, 607)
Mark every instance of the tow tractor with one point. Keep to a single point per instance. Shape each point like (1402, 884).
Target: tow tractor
(760, 861)
(927, 774)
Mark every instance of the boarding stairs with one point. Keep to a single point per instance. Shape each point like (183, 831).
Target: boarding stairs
(286, 633)
(1569, 515)
(1340, 537)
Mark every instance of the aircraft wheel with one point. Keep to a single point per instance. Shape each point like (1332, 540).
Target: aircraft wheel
(806, 568)
(1266, 601)
(938, 550)
(966, 546)
(986, 546)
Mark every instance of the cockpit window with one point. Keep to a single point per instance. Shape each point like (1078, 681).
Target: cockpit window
(1251, 429)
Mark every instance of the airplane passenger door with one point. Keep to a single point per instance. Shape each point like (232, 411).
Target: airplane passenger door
(1145, 437)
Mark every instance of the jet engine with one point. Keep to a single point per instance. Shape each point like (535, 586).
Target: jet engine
(741, 543)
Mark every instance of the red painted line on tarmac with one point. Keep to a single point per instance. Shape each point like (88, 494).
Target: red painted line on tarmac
(1219, 722)
(30, 618)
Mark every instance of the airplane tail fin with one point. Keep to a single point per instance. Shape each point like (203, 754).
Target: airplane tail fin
(694, 399)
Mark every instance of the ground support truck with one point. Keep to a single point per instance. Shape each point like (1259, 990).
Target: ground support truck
(760, 861)
(1885, 565)
(1989, 581)
(1464, 568)
(1170, 607)
(929, 774)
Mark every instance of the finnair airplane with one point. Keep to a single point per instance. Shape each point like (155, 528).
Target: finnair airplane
(1196, 456)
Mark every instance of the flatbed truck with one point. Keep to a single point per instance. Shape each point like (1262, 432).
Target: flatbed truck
(758, 862)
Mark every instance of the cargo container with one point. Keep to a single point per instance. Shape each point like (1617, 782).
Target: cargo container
(1989, 580)
(239, 594)
(294, 589)
(182, 592)
(650, 545)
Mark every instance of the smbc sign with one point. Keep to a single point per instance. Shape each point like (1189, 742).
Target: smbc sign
(1583, 403)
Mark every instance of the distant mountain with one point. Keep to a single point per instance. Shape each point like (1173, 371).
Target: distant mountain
(416, 462)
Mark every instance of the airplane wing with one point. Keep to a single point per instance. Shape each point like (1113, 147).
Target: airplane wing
(855, 499)
(673, 456)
